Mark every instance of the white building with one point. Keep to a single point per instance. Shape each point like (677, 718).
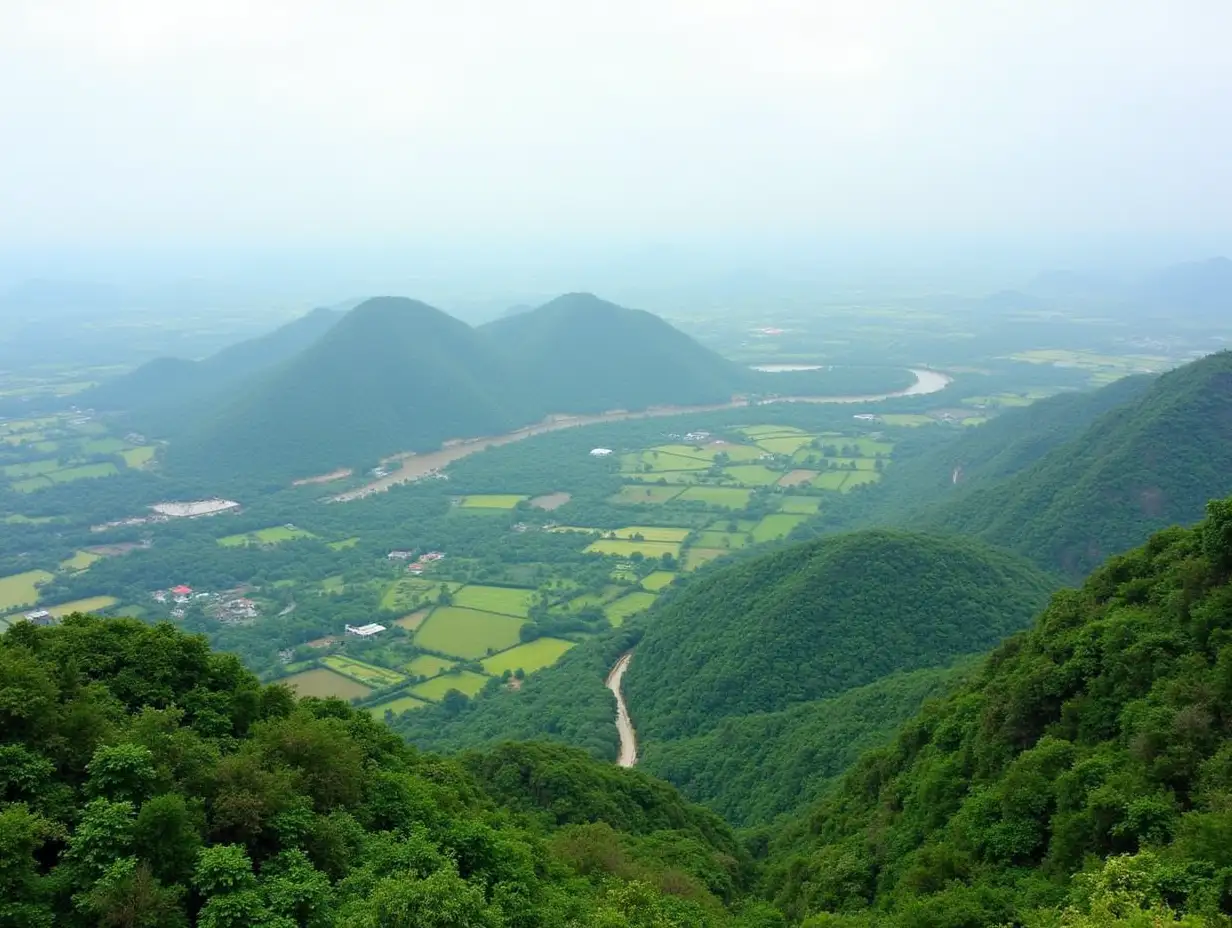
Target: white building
(193, 508)
(365, 631)
(600, 452)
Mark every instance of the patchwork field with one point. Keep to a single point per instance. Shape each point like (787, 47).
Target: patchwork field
(404, 595)
(620, 609)
(397, 706)
(621, 548)
(324, 683)
(658, 580)
(412, 621)
(266, 536)
(427, 665)
(532, 656)
(593, 599)
(89, 604)
(909, 420)
(830, 480)
(753, 475)
(785, 445)
(464, 681)
(794, 478)
(550, 501)
(776, 526)
(800, 505)
(722, 497)
(367, 674)
(504, 600)
(644, 494)
(728, 541)
(467, 633)
(653, 461)
(344, 543)
(138, 457)
(81, 560)
(18, 590)
(491, 501)
(696, 557)
(651, 532)
(859, 478)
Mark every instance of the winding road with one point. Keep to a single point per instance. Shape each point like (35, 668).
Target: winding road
(624, 725)
(415, 466)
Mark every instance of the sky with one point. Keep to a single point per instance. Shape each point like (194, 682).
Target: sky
(158, 126)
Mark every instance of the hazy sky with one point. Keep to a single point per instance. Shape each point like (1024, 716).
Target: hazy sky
(134, 123)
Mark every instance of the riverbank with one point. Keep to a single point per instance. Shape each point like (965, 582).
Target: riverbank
(624, 725)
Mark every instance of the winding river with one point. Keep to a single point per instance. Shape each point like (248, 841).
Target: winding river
(624, 724)
(416, 466)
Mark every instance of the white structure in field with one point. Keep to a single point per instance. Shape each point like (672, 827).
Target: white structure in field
(600, 452)
(193, 508)
(365, 631)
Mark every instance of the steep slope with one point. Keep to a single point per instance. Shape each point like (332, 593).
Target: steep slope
(146, 781)
(819, 618)
(583, 354)
(393, 375)
(1144, 465)
(1102, 732)
(164, 394)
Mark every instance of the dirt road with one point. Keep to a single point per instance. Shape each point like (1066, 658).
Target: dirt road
(624, 725)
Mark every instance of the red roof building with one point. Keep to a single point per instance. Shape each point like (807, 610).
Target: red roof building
(182, 590)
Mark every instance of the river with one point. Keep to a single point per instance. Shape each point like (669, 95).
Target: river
(624, 724)
(415, 466)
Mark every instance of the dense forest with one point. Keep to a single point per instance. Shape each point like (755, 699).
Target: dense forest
(146, 781)
(1081, 777)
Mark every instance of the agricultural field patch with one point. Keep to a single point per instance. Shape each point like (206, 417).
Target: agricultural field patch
(736, 454)
(324, 684)
(491, 501)
(397, 706)
(646, 494)
(907, 420)
(138, 457)
(89, 604)
(800, 505)
(789, 444)
(31, 468)
(651, 532)
(753, 475)
(103, 446)
(18, 590)
(81, 560)
(855, 463)
(500, 599)
(550, 501)
(660, 461)
(722, 497)
(696, 557)
(31, 484)
(860, 478)
(658, 580)
(758, 432)
(411, 592)
(670, 478)
(831, 479)
(19, 519)
(467, 633)
(776, 526)
(84, 472)
(333, 584)
(412, 621)
(578, 603)
(532, 656)
(727, 541)
(794, 478)
(344, 543)
(427, 665)
(465, 681)
(974, 420)
(619, 610)
(266, 536)
(617, 547)
(684, 451)
(367, 674)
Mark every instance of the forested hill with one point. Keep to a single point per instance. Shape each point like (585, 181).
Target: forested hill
(819, 618)
(147, 782)
(583, 354)
(1144, 465)
(1097, 742)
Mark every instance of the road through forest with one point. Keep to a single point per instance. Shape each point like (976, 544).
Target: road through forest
(628, 737)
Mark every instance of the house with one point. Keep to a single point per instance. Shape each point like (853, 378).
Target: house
(40, 617)
(600, 452)
(400, 555)
(182, 590)
(866, 417)
(365, 631)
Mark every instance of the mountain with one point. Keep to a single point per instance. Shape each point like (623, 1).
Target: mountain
(582, 354)
(1082, 777)
(1143, 465)
(818, 618)
(147, 781)
(164, 394)
(1200, 289)
(393, 374)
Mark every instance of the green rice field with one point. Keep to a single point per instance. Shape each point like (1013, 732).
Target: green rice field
(728, 541)
(492, 501)
(81, 560)
(138, 457)
(763, 431)
(620, 609)
(324, 683)
(621, 548)
(830, 480)
(696, 557)
(785, 445)
(658, 580)
(467, 633)
(367, 674)
(722, 497)
(412, 621)
(753, 475)
(800, 505)
(495, 599)
(397, 706)
(266, 536)
(532, 656)
(910, 420)
(776, 526)
(652, 532)
(466, 681)
(427, 665)
(18, 590)
(659, 461)
(646, 494)
(859, 478)
(31, 468)
(89, 604)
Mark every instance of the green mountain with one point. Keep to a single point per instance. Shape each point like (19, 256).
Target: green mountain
(1083, 777)
(582, 354)
(394, 374)
(163, 395)
(146, 781)
(816, 619)
(1144, 465)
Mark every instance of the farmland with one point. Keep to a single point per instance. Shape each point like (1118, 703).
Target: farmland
(722, 497)
(491, 501)
(465, 681)
(19, 590)
(467, 633)
(89, 604)
(626, 548)
(81, 560)
(266, 536)
(397, 705)
(532, 656)
(776, 526)
(367, 674)
(658, 580)
(633, 603)
(428, 665)
(503, 600)
(325, 683)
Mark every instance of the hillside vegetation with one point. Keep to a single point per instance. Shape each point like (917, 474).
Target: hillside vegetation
(819, 618)
(1144, 465)
(1082, 777)
(146, 781)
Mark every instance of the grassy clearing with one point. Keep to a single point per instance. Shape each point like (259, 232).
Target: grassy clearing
(138, 457)
(753, 475)
(31, 468)
(89, 604)
(860, 478)
(412, 621)
(869, 447)
(831, 480)
(646, 494)
(722, 497)
(974, 420)
(367, 674)
(728, 541)
(333, 584)
(344, 543)
(491, 501)
(397, 706)
(794, 478)
(757, 432)
(532, 656)
(18, 590)
(658, 580)
(856, 463)
(31, 484)
(684, 451)
(579, 603)
(906, 419)
(622, 548)
(427, 665)
(325, 683)
(465, 681)
(652, 532)
(103, 446)
(800, 505)
(620, 609)
(266, 536)
(696, 557)
(411, 592)
(660, 461)
(736, 454)
(467, 633)
(550, 501)
(786, 445)
(81, 560)
(678, 478)
(776, 526)
(495, 599)
(19, 519)
(84, 472)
